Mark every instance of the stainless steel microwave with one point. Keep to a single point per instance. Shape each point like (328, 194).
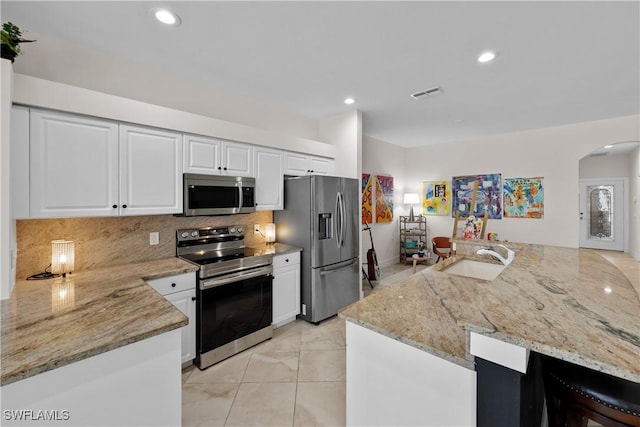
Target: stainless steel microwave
(218, 195)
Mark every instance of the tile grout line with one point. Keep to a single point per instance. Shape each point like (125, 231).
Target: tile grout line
(235, 395)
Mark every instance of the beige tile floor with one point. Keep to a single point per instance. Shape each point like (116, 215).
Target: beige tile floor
(295, 379)
(298, 377)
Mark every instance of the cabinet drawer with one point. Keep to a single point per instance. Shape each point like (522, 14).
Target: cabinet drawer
(281, 261)
(171, 284)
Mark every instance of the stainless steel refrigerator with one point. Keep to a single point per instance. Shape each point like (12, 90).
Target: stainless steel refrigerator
(321, 216)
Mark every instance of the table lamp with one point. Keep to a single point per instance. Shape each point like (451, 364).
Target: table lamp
(411, 199)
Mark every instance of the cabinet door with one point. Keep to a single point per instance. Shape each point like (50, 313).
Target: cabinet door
(73, 165)
(269, 179)
(202, 155)
(150, 171)
(296, 164)
(286, 293)
(237, 159)
(320, 166)
(185, 301)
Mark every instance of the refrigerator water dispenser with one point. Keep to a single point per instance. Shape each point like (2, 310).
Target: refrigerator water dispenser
(325, 226)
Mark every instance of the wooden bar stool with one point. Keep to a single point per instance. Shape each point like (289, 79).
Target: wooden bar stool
(576, 395)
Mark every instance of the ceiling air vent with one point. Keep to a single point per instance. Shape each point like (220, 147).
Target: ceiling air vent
(598, 154)
(427, 92)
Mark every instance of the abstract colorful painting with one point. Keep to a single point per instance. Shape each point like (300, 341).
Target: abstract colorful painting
(488, 196)
(436, 197)
(384, 198)
(367, 198)
(523, 198)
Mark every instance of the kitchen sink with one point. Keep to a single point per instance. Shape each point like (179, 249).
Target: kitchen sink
(475, 269)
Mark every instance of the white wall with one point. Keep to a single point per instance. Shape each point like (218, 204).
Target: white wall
(36, 92)
(605, 167)
(60, 61)
(634, 203)
(553, 153)
(382, 158)
(344, 131)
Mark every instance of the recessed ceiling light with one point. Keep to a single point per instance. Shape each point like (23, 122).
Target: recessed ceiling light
(608, 146)
(487, 56)
(166, 17)
(349, 101)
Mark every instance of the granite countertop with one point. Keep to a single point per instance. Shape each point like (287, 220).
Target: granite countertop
(276, 249)
(568, 303)
(51, 323)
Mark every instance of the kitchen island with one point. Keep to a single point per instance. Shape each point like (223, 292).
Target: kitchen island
(418, 335)
(95, 347)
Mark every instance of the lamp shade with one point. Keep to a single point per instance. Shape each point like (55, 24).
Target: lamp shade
(411, 198)
(62, 256)
(270, 232)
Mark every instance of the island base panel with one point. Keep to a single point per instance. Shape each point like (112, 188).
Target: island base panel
(138, 384)
(392, 383)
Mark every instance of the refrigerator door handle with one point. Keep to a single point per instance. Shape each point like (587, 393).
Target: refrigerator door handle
(341, 214)
(324, 272)
(338, 220)
(343, 217)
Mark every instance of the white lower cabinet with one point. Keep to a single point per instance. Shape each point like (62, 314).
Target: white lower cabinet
(180, 290)
(286, 288)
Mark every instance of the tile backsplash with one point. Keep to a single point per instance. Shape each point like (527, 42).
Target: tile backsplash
(102, 242)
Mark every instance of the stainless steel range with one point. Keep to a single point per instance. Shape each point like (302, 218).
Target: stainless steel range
(234, 294)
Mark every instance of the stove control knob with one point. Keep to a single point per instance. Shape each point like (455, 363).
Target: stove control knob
(194, 234)
(240, 230)
(184, 234)
(232, 230)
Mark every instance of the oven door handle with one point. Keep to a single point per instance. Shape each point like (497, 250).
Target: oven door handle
(234, 277)
(324, 271)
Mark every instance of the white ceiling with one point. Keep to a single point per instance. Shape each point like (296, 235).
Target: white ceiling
(558, 63)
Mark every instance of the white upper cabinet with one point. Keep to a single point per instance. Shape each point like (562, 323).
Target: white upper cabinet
(217, 157)
(81, 166)
(303, 164)
(202, 155)
(150, 171)
(73, 165)
(269, 179)
(237, 159)
(320, 166)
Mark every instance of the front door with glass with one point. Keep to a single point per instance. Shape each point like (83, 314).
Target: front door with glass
(602, 214)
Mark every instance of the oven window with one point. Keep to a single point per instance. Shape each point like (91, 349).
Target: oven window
(231, 311)
(213, 197)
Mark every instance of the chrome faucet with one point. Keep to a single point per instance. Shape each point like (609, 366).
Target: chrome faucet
(491, 252)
